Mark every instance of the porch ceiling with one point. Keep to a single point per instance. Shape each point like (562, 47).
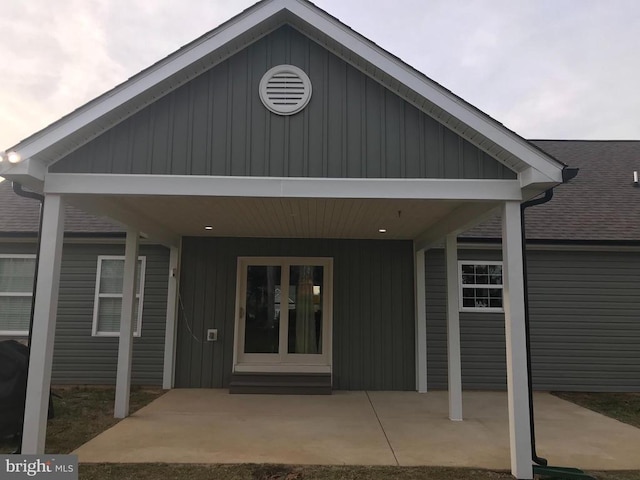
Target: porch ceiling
(275, 217)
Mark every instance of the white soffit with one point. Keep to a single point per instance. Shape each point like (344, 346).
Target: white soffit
(84, 124)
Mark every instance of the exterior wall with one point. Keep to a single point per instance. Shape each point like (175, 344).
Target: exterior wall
(80, 358)
(584, 323)
(373, 310)
(217, 125)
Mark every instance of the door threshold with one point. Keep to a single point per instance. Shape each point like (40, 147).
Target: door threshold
(281, 368)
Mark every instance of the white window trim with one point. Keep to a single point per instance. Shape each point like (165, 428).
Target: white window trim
(98, 296)
(16, 333)
(461, 286)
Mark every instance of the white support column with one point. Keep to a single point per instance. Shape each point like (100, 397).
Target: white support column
(453, 329)
(421, 323)
(44, 327)
(517, 384)
(168, 374)
(127, 312)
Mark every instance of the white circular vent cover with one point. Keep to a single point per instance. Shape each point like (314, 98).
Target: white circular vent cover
(285, 89)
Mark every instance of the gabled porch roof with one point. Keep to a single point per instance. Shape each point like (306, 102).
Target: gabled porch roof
(44, 148)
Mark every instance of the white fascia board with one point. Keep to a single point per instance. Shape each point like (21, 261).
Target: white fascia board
(279, 187)
(448, 102)
(144, 81)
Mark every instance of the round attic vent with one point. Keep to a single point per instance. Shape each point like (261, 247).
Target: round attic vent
(285, 89)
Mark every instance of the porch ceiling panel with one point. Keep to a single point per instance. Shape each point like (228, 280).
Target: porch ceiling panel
(276, 217)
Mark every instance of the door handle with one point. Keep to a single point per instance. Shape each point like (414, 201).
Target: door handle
(241, 312)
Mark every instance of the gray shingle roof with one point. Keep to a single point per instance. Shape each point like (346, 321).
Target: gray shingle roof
(19, 215)
(601, 203)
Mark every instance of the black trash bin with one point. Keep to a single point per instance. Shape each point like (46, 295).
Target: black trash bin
(14, 358)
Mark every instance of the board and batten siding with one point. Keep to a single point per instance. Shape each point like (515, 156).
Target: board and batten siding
(585, 323)
(373, 309)
(216, 124)
(80, 358)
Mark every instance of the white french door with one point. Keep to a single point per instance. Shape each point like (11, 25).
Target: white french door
(283, 314)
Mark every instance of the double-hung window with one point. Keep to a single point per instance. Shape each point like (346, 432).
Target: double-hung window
(480, 286)
(16, 286)
(108, 296)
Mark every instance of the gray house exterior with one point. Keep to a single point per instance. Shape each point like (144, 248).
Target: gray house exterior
(584, 276)
(300, 181)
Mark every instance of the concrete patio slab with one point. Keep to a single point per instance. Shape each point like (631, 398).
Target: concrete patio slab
(357, 428)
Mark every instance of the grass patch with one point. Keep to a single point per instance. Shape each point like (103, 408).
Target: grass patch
(624, 407)
(81, 413)
(154, 471)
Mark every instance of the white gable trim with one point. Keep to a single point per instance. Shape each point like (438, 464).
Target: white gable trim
(469, 116)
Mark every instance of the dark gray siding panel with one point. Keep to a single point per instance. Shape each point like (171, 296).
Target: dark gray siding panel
(217, 125)
(373, 311)
(482, 340)
(80, 358)
(585, 331)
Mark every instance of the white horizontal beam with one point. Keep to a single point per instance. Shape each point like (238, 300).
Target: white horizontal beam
(279, 187)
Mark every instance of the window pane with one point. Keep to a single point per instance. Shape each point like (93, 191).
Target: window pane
(481, 269)
(15, 313)
(109, 315)
(112, 273)
(495, 269)
(16, 274)
(305, 314)
(468, 279)
(467, 269)
(262, 316)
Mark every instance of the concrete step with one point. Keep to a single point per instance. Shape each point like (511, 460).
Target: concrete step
(281, 383)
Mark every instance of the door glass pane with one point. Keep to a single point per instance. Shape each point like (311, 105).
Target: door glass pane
(305, 309)
(262, 316)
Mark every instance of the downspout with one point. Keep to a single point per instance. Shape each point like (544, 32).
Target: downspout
(567, 174)
(17, 188)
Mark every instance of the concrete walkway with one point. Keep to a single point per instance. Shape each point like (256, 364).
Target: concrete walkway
(357, 428)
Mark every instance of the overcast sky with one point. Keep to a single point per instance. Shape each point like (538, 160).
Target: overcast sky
(544, 68)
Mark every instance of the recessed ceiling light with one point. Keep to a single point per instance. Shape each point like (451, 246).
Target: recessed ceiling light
(208, 227)
(382, 230)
